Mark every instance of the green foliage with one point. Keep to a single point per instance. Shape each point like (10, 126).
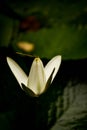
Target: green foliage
(5, 30)
(70, 42)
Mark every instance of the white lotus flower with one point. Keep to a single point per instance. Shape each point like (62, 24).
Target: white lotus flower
(39, 78)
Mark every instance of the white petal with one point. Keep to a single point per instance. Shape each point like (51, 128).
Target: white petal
(54, 63)
(37, 78)
(17, 71)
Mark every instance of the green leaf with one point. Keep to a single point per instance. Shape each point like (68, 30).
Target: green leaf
(72, 108)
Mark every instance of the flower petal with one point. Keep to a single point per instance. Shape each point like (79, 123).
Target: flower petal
(37, 78)
(49, 81)
(29, 91)
(54, 63)
(17, 71)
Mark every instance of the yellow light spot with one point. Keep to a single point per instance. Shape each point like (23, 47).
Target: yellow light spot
(25, 46)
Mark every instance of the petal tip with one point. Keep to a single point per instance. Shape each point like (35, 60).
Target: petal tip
(8, 59)
(59, 58)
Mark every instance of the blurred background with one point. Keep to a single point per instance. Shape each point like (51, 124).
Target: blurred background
(45, 28)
